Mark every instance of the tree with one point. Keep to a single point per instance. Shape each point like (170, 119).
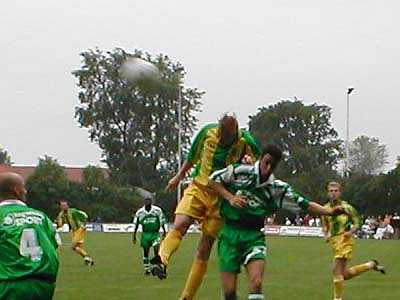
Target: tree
(304, 132)
(367, 156)
(5, 158)
(47, 185)
(135, 126)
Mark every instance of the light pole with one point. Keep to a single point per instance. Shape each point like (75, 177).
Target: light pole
(347, 162)
(179, 138)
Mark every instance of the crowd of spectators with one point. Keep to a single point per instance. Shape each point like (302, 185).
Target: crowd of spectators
(373, 227)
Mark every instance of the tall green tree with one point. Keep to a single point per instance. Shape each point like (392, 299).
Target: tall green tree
(310, 144)
(5, 157)
(367, 156)
(135, 126)
(47, 185)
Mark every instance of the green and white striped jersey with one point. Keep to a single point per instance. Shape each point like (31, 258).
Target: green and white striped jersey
(151, 220)
(263, 198)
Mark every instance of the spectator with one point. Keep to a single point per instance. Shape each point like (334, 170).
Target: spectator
(396, 225)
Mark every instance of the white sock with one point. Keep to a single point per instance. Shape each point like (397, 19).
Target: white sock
(256, 297)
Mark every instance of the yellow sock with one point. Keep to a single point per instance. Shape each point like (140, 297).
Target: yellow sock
(80, 251)
(338, 283)
(195, 278)
(169, 245)
(359, 269)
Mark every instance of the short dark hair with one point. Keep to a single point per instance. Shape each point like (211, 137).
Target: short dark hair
(275, 152)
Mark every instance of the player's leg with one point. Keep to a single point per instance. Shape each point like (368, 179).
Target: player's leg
(229, 285)
(189, 208)
(78, 238)
(255, 271)
(229, 259)
(357, 270)
(199, 267)
(174, 237)
(210, 227)
(146, 260)
(338, 270)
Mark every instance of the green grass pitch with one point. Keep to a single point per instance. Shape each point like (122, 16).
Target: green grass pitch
(297, 268)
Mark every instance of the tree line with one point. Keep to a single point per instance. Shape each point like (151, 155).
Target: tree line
(136, 128)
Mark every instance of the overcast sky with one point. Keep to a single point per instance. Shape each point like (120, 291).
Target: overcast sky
(244, 55)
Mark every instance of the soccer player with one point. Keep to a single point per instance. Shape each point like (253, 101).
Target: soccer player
(214, 147)
(152, 218)
(339, 231)
(28, 256)
(76, 220)
(251, 192)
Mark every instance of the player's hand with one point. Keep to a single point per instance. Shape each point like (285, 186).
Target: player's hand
(338, 210)
(348, 234)
(134, 241)
(247, 160)
(238, 201)
(173, 184)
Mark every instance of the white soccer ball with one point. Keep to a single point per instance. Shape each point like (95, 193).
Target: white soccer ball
(136, 70)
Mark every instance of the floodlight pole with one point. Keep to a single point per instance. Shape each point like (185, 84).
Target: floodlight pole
(347, 161)
(179, 138)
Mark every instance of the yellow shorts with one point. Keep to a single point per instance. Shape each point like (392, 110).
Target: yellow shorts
(201, 204)
(342, 247)
(78, 235)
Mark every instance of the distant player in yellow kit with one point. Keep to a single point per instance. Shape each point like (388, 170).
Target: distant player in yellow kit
(76, 220)
(215, 147)
(339, 231)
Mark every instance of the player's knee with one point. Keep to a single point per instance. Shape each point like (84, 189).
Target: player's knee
(230, 296)
(182, 223)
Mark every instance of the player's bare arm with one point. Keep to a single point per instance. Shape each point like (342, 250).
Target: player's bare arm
(316, 208)
(174, 181)
(236, 201)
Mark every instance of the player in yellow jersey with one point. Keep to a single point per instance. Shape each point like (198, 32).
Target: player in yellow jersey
(339, 231)
(76, 220)
(215, 147)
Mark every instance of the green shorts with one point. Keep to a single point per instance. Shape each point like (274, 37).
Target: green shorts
(28, 289)
(237, 247)
(150, 239)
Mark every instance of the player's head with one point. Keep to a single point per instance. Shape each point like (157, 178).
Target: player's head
(64, 205)
(334, 190)
(12, 186)
(147, 202)
(229, 128)
(270, 158)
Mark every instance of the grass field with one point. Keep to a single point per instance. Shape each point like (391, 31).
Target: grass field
(298, 268)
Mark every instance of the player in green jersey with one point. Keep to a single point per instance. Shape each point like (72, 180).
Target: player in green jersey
(151, 218)
(28, 256)
(339, 231)
(251, 192)
(76, 220)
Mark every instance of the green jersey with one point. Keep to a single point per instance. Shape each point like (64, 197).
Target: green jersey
(151, 220)
(263, 198)
(75, 218)
(27, 243)
(335, 225)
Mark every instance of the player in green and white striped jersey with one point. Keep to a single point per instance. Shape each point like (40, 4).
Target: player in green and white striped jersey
(251, 192)
(151, 218)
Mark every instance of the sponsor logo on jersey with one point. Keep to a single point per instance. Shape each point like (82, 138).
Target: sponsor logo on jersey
(22, 218)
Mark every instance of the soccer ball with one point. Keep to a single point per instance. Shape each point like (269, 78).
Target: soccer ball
(136, 70)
